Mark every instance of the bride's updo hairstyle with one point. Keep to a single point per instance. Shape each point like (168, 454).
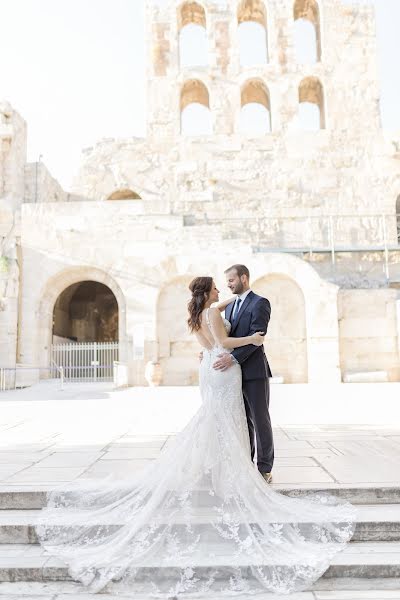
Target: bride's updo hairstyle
(200, 288)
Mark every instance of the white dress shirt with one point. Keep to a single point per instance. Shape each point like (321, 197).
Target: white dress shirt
(242, 297)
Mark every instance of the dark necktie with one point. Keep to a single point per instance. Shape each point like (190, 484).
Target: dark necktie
(236, 309)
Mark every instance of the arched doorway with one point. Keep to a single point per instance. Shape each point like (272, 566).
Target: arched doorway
(124, 194)
(196, 117)
(286, 343)
(307, 31)
(252, 33)
(193, 43)
(255, 115)
(311, 105)
(85, 331)
(86, 312)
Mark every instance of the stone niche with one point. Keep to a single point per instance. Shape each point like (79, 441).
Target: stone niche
(178, 350)
(286, 344)
(368, 332)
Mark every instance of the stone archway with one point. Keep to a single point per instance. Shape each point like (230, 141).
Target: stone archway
(286, 343)
(53, 290)
(178, 351)
(86, 312)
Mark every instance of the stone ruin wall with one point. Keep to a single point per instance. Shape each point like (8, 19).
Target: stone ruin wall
(283, 178)
(12, 162)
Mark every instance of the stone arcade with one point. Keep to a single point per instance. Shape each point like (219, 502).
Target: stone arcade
(311, 210)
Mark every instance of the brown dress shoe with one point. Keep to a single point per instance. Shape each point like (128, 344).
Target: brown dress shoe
(267, 477)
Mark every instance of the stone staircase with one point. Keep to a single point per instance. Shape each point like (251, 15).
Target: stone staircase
(371, 562)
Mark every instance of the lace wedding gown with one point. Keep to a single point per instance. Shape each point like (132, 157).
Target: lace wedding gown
(200, 521)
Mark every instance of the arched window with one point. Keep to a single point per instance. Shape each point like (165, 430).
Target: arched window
(255, 115)
(252, 33)
(311, 105)
(124, 195)
(398, 218)
(195, 109)
(307, 32)
(193, 51)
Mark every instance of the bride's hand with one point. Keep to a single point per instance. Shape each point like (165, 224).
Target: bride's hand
(258, 338)
(222, 305)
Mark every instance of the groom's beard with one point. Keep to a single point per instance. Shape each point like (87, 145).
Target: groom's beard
(238, 289)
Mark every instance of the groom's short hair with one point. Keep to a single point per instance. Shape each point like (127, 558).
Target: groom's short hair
(240, 270)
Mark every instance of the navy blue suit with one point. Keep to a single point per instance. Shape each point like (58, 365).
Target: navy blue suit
(254, 316)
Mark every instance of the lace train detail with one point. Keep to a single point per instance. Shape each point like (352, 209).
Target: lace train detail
(200, 520)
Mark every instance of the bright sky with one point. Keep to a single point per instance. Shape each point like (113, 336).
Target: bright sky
(75, 70)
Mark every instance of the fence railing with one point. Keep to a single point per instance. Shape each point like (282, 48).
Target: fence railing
(19, 377)
(89, 361)
(324, 233)
(329, 234)
(13, 378)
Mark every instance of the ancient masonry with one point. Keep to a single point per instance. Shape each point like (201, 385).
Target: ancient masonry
(311, 211)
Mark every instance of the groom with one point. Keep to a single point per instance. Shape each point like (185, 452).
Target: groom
(248, 314)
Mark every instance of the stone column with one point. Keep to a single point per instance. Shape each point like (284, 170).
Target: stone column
(9, 288)
(323, 335)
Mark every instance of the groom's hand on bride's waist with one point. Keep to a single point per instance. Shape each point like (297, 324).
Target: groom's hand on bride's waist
(224, 361)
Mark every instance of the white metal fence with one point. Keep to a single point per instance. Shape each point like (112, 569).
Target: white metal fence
(90, 361)
(23, 376)
(7, 379)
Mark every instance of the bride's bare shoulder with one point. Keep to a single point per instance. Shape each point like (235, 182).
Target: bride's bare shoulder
(214, 314)
(212, 310)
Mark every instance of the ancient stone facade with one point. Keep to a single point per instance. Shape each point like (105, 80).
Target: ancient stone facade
(311, 212)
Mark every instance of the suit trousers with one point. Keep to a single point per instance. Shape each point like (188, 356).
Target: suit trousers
(256, 401)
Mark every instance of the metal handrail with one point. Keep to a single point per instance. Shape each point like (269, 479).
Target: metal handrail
(85, 360)
(308, 234)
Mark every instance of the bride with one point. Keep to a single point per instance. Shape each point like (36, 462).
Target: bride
(200, 521)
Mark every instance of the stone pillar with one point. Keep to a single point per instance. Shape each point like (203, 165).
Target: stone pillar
(9, 289)
(162, 72)
(323, 335)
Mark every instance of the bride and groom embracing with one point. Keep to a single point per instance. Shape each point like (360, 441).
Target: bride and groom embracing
(200, 520)
(246, 314)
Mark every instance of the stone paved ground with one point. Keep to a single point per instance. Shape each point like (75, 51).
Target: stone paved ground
(70, 591)
(18, 591)
(48, 436)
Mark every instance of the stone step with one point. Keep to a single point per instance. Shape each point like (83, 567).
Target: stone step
(374, 523)
(34, 497)
(349, 589)
(364, 560)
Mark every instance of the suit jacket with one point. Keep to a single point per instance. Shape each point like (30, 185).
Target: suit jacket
(253, 316)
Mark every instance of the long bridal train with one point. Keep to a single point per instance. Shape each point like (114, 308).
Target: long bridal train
(200, 520)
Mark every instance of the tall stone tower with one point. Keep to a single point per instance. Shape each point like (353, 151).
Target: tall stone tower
(342, 81)
(282, 168)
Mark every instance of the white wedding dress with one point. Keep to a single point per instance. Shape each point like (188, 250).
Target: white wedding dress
(200, 521)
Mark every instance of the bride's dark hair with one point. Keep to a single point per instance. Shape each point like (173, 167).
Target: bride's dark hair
(200, 288)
